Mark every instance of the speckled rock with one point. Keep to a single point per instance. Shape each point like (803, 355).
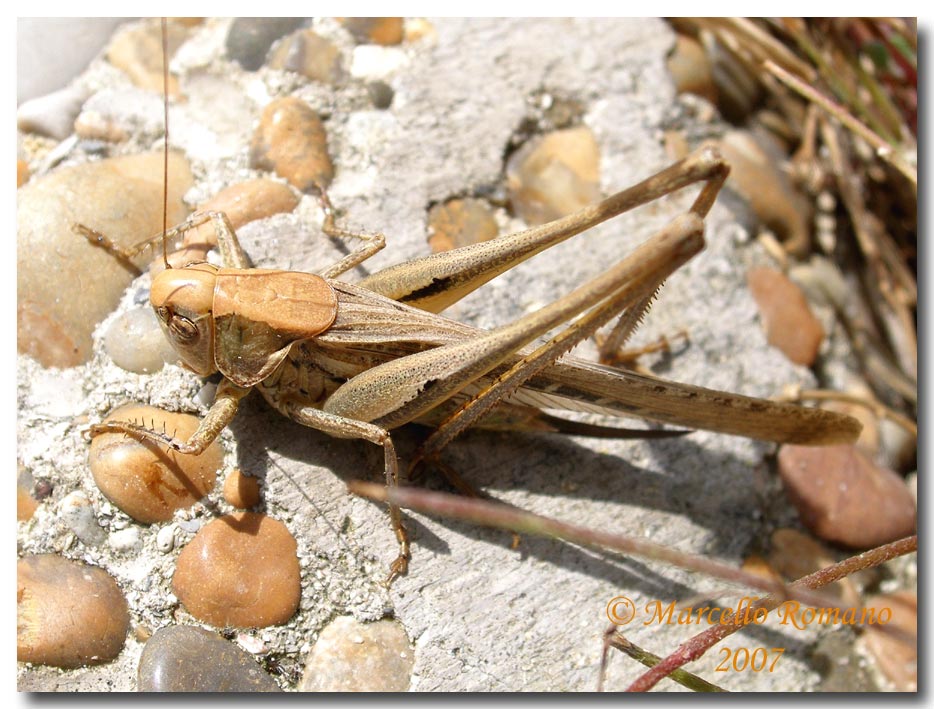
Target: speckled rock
(375, 30)
(350, 656)
(553, 175)
(136, 343)
(141, 478)
(309, 54)
(249, 38)
(78, 515)
(897, 657)
(184, 658)
(68, 614)
(240, 570)
(120, 197)
(788, 321)
(843, 497)
(291, 141)
(460, 222)
(241, 490)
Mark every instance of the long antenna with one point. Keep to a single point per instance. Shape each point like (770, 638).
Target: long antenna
(165, 141)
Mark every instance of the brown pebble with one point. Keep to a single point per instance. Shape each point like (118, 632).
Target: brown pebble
(92, 125)
(843, 497)
(240, 570)
(144, 480)
(786, 317)
(460, 222)
(26, 503)
(310, 55)
(22, 173)
(120, 197)
(350, 656)
(897, 657)
(241, 490)
(291, 141)
(68, 614)
(691, 70)
(755, 175)
(242, 203)
(375, 30)
(554, 174)
(137, 50)
(869, 439)
(796, 554)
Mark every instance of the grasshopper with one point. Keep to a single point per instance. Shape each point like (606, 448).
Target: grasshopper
(357, 361)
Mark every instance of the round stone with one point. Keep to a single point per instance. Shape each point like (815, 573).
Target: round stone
(375, 30)
(184, 658)
(136, 343)
(241, 570)
(144, 480)
(350, 656)
(310, 55)
(291, 141)
(241, 490)
(68, 614)
(788, 321)
(843, 497)
(249, 38)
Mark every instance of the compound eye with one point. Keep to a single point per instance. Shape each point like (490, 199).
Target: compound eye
(183, 328)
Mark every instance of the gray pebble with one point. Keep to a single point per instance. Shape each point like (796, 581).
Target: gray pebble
(52, 115)
(124, 541)
(165, 539)
(78, 514)
(250, 38)
(184, 658)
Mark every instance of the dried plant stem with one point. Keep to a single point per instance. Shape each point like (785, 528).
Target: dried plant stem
(701, 643)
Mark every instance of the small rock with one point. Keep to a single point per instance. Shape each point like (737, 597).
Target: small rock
(65, 286)
(250, 38)
(137, 51)
(22, 173)
(183, 658)
(310, 55)
(26, 504)
(350, 656)
(78, 515)
(381, 94)
(553, 175)
(868, 440)
(460, 222)
(95, 125)
(136, 343)
(125, 541)
(795, 555)
(291, 141)
(242, 203)
(755, 176)
(691, 70)
(899, 446)
(896, 657)
(375, 30)
(788, 321)
(144, 480)
(240, 570)
(165, 539)
(241, 490)
(843, 497)
(51, 115)
(68, 614)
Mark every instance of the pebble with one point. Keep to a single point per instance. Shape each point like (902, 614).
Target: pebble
(796, 554)
(242, 203)
(136, 343)
(52, 115)
(896, 657)
(842, 497)
(381, 94)
(756, 176)
(165, 538)
(76, 512)
(460, 222)
(554, 174)
(786, 317)
(141, 478)
(375, 30)
(350, 656)
(65, 286)
(68, 614)
(250, 38)
(184, 658)
(125, 541)
(26, 504)
(691, 70)
(291, 141)
(241, 490)
(310, 55)
(137, 51)
(22, 173)
(240, 570)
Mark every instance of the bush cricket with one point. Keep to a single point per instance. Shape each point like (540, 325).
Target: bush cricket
(357, 361)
